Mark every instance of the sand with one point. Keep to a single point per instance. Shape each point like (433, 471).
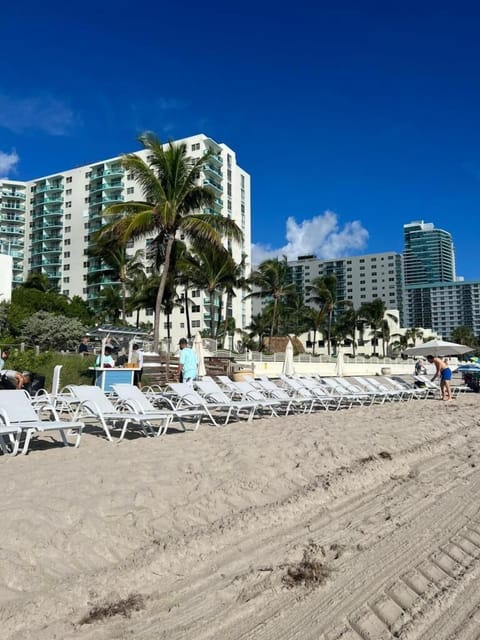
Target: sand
(361, 524)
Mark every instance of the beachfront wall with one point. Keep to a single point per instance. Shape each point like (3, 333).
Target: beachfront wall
(372, 367)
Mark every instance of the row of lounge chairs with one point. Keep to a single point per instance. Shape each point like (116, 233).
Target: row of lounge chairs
(153, 410)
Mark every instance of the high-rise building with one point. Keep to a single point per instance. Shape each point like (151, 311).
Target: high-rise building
(435, 298)
(47, 224)
(359, 278)
(428, 254)
(13, 196)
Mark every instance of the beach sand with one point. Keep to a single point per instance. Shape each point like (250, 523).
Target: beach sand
(359, 524)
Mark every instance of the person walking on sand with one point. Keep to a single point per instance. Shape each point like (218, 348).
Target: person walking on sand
(188, 367)
(445, 373)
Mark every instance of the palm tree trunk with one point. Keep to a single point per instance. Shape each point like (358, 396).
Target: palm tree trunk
(124, 299)
(314, 339)
(212, 310)
(160, 292)
(187, 312)
(274, 313)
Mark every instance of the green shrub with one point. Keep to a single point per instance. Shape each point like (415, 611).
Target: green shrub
(74, 370)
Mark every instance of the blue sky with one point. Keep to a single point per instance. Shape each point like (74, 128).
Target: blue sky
(351, 120)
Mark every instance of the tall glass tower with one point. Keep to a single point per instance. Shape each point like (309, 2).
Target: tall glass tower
(428, 256)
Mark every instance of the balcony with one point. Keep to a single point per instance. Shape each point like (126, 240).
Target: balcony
(9, 217)
(13, 194)
(12, 206)
(48, 187)
(12, 230)
(112, 199)
(214, 185)
(209, 168)
(216, 159)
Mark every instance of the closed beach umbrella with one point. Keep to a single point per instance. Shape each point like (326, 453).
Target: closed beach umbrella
(288, 369)
(339, 363)
(198, 348)
(438, 348)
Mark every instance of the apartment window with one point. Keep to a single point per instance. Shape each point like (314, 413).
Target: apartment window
(66, 279)
(68, 229)
(66, 254)
(85, 265)
(68, 205)
(66, 242)
(86, 238)
(66, 267)
(229, 189)
(68, 216)
(196, 146)
(87, 187)
(69, 179)
(130, 189)
(196, 293)
(88, 174)
(195, 308)
(130, 176)
(195, 324)
(87, 199)
(167, 325)
(68, 192)
(229, 205)
(229, 175)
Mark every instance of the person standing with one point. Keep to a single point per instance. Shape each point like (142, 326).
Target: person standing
(3, 357)
(108, 361)
(188, 367)
(83, 346)
(137, 360)
(445, 373)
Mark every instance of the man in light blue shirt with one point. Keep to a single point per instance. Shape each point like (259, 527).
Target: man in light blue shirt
(188, 366)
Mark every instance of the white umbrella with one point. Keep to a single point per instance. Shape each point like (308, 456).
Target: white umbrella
(438, 348)
(288, 369)
(198, 348)
(339, 363)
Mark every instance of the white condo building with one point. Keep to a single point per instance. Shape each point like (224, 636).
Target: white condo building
(47, 223)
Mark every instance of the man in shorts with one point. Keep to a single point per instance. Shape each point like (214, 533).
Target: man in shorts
(445, 373)
(188, 366)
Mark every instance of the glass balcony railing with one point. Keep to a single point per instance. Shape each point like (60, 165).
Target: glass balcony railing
(48, 187)
(12, 206)
(17, 231)
(13, 194)
(214, 185)
(208, 168)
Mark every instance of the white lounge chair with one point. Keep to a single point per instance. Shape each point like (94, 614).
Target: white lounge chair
(289, 402)
(17, 411)
(300, 391)
(220, 401)
(94, 406)
(137, 401)
(188, 397)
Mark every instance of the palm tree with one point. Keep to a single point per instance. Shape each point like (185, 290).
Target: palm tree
(323, 292)
(213, 270)
(260, 325)
(111, 249)
(347, 322)
(272, 278)
(172, 205)
(374, 313)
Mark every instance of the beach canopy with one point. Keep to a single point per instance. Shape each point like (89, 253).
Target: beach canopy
(198, 348)
(288, 368)
(438, 348)
(339, 364)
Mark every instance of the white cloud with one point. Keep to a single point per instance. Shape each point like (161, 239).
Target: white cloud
(320, 236)
(8, 162)
(42, 113)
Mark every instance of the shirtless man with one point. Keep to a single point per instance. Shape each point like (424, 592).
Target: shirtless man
(445, 373)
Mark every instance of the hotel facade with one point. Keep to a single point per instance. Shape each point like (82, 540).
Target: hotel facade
(47, 225)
